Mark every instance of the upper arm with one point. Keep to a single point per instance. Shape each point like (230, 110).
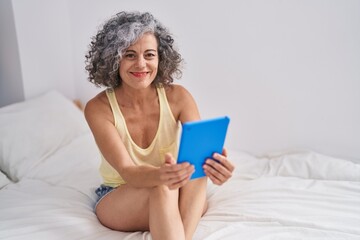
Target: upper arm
(100, 120)
(182, 104)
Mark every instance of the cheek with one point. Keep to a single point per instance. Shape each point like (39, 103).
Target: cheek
(120, 73)
(155, 66)
(122, 70)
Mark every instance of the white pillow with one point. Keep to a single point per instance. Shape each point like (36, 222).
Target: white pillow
(33, 130)
(312, 165)
(75, 165)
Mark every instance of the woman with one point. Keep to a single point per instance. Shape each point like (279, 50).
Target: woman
(135, 125)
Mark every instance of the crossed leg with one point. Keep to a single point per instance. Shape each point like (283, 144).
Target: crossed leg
(167, 214)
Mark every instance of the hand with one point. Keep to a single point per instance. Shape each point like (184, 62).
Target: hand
(219, 171)
(175, 175)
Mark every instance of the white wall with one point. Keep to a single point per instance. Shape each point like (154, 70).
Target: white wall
(11, 87)
(45, 46)
(286, 72)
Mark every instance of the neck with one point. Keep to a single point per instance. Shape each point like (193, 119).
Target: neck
(131, 97)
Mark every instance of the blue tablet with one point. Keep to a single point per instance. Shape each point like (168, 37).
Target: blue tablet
(200, 140)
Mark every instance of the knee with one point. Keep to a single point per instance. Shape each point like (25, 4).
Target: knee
(197, 185)
(163, 192)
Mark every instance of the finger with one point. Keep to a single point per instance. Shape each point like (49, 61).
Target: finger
(225, 152)
(169, 172)
(224, 161)
(172, 174)
(176, 167)
(178, 183)
(216, 181)
(169, 159)
(182, 174)
(213, 178)
(219, 168)
(216, 172)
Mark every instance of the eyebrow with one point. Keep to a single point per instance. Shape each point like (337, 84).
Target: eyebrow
(148, 50)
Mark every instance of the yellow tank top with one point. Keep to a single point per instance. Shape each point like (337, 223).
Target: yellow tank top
(165, 140)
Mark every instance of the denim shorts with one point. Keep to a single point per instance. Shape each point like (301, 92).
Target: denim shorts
(101, 192)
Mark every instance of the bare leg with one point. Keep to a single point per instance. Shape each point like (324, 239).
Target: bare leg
(141, 209)
(125, 209)
(192, 204)
(165, 220)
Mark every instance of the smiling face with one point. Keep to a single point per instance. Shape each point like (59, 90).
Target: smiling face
(139, 65)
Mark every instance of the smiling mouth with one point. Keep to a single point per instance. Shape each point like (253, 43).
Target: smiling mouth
(139, 74)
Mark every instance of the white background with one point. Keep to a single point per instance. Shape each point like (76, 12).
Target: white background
(286, 72)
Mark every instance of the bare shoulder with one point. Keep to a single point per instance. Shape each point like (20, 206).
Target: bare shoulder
(182, 103)
(176, 92)
(98, 107)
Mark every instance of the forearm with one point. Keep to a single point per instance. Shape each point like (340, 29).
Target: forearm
(140, 176)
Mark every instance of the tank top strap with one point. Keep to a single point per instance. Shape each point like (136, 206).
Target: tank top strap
(164, 104)
(110, 93)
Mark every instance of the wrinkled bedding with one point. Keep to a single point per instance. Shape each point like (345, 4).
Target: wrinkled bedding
(47, 186)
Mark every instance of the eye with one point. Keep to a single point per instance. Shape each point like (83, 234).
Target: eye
(150, 55)
(130, 56)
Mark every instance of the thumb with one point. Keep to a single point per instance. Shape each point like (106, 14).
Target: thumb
(169, 159)
(225, 152)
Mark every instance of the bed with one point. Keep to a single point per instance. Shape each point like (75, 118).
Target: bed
(49, 170)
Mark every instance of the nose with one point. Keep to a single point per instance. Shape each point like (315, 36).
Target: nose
(141, 62)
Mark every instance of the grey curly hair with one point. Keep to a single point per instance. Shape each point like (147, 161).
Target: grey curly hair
(116, 35)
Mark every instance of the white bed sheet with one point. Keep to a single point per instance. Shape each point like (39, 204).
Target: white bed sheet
(295, 195)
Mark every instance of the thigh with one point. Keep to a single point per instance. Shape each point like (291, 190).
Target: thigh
(125, 209)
